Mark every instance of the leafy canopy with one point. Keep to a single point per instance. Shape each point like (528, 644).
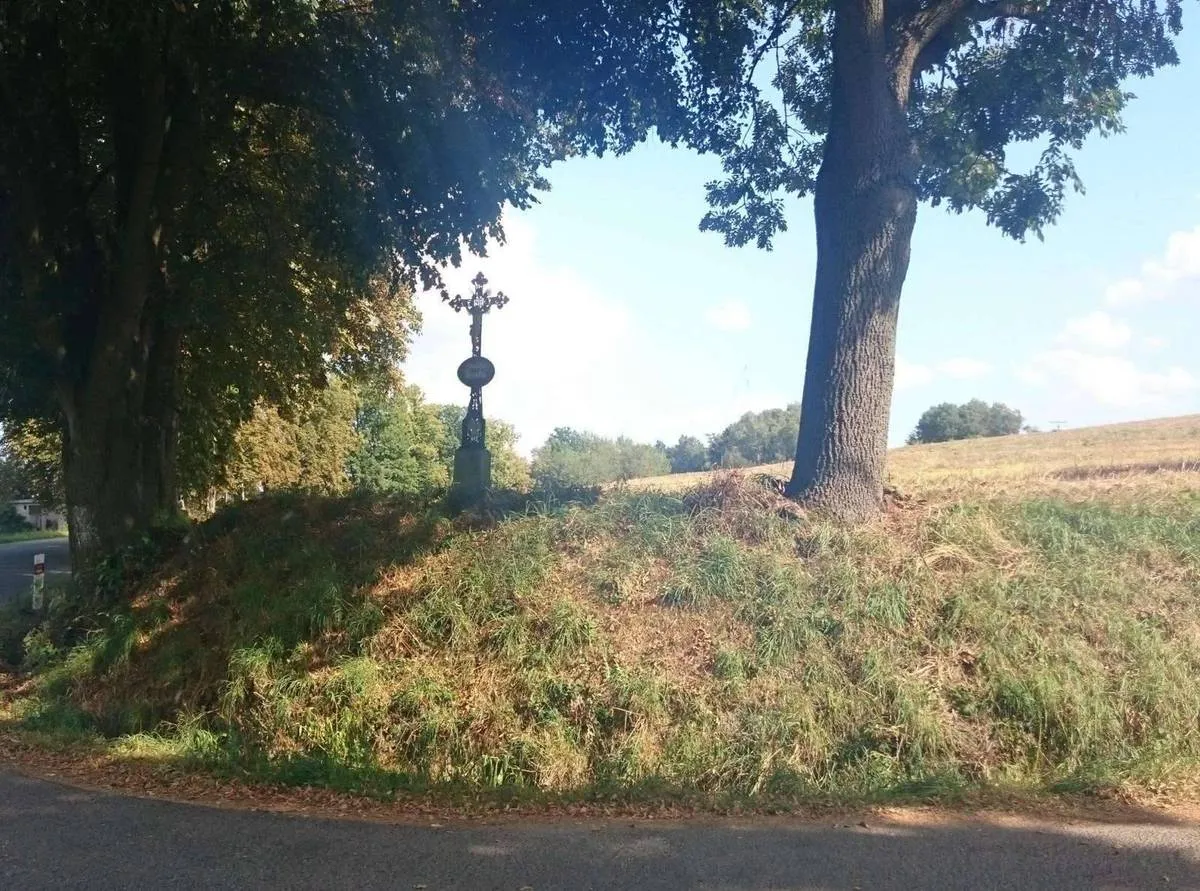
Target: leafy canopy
(510, 469)
(1000, 96)
(281, 174)
(407, 445)
(31, 463)
(400, 444)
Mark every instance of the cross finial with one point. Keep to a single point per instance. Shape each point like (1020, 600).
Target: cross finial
(479, 301)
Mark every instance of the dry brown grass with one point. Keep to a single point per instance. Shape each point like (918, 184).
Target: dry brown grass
(1143, 460)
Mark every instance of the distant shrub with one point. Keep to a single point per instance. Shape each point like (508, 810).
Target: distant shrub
(11, 521)
(763, 437)
(576, 459)
(947, 421)
(688, 455)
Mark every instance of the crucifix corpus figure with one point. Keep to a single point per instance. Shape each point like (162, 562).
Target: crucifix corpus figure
(472, 461)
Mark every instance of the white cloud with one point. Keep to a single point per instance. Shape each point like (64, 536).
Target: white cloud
(1031, 373)
(962, 368)
(1124, 291)
(1108, 380)
(561, 349)
(1181, 259)
(1096, 330)
(910, 375)
(1161, 277)
(1085, 365)
(732, 315)
(568, 354)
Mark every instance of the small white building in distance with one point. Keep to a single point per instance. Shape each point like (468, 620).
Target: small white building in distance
(43, 519)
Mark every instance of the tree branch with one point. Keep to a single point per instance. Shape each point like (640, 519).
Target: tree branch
(927, 23)
(931, 21)
(924, 27)
(981, 12)
(772, 38)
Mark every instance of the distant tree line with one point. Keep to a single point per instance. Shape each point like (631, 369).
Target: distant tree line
(574, 458)
(762, 437)
(374, 436)
(380, 436)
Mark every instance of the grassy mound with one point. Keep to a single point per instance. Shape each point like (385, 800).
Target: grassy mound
(713, 642)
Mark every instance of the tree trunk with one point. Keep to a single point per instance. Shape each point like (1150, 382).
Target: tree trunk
(119, 455)
(119, 448)
(160, 422)
(865, 205)
(101, 454)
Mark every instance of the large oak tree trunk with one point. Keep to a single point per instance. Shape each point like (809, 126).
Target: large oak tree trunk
(119, 449)
(865, 205)
(120, 409)
(102, 464)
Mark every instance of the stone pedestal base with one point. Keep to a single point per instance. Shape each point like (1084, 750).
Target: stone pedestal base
(472, 476)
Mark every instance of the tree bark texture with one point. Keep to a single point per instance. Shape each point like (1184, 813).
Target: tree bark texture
(865, 204)
(119, 447)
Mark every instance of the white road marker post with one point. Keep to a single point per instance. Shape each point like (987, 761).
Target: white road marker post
(39, 581)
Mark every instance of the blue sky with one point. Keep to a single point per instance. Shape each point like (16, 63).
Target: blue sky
(626, 319)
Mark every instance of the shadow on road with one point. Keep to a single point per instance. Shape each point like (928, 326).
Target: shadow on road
(53, 837)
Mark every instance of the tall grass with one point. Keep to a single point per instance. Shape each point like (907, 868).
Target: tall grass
(713, 642)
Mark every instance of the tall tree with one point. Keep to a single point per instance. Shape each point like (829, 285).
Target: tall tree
(301, 446)
(402, 444)
(688, 455)
(873, 107)
(198, 201)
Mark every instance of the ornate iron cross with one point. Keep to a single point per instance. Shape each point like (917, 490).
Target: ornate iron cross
(477, 371)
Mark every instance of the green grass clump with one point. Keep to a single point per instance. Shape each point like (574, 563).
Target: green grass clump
(31, 535)
(716, 643)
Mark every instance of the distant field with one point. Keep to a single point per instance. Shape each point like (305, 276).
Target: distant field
(1138, 459)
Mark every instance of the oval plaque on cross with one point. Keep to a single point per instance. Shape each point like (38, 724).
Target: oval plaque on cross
(476, 371)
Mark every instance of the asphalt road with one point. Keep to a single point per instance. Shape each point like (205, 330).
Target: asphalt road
(16, 564)
(57, 837)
